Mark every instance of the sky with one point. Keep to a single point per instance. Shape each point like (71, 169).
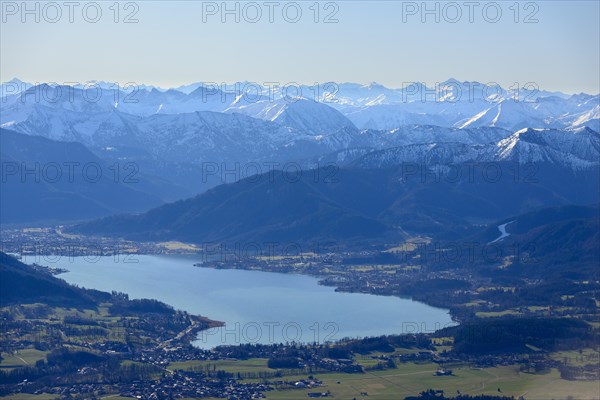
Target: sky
(554, 44)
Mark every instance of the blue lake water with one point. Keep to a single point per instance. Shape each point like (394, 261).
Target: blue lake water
(257, 307)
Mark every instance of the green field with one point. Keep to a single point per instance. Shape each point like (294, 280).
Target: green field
(578, 358)
(22, 358)
(410, 379)
(21, 396)
(234, 366)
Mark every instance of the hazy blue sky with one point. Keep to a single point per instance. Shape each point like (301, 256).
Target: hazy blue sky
(171, 45)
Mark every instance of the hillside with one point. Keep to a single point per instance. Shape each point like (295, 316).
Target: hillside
(348, 205)
(553, 243)
(22, 284)
(46, 180)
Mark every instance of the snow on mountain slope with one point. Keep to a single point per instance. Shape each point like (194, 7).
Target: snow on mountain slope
(426, 153)
(508, 114)
(140, 102)
(426, 134)
(386, 117)
(180, 137)
(547, 112)
(589, 119)
(301, 114)
(372, 106)
(344, 95)
(190, 137)
(207, 124)
(574, 149)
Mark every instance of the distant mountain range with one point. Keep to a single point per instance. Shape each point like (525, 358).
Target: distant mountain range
(451, 103)
(190, 129)
(172, 135)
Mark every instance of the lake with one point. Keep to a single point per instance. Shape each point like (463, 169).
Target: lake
(257, 307)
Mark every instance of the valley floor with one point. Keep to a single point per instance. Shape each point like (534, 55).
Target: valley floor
(410, 378)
